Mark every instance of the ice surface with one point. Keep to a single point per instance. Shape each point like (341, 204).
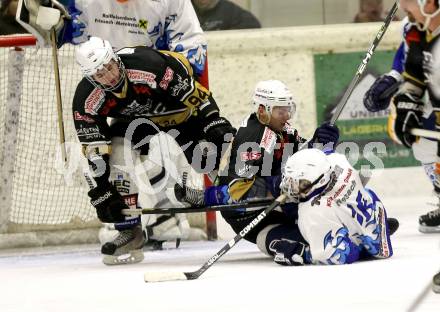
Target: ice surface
(73, 278)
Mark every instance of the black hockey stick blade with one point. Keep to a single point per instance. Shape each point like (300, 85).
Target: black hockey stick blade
(150, 277)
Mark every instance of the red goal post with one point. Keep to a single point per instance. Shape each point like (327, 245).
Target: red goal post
(41, 204)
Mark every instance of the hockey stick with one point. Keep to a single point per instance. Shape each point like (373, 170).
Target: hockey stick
(175, 276)
(252, 203)
(364, 63)
(429, 134)
(53, 40)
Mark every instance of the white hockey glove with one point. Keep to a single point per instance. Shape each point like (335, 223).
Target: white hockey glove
(40, 16)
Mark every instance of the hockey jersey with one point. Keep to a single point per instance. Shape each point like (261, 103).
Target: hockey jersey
(160, 86)
(161, 24)
(257, 151)
(344, 221)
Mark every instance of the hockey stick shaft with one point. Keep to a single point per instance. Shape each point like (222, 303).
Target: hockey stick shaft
(256, 203)
(364, 63)
(429, 134)
(160, 277)
(62, 138)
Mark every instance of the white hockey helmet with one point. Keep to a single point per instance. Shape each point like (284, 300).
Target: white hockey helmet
(91, 57)
(427, 16)
(271, 93)
(304, 172)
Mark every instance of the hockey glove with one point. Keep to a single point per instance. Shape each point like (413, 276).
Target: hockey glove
(289, 252)
(213, 195)
(216, 128)
(108, 203)
(325, 134)
(409, 111)
(73, 31)
(378, 97)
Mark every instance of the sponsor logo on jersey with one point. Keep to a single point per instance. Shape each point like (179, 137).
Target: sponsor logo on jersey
(250, 156)
(253, 223)
(167, 78)
(338, 192)
(80, 117)
(135, 108)
(130, 200)
(269, 140)
(109, 104)
(122, 186)
(140, 76)
(347, 195)
(182, 85)
(101, 199)
(94, 101)
(89, 133)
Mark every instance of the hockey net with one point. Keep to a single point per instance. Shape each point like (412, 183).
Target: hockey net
(43, 200)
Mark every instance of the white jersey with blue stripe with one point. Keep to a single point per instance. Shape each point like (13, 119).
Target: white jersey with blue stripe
(170, 25)
(345, 221)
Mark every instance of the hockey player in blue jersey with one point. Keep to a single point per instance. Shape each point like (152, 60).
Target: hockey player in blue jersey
(341, 220)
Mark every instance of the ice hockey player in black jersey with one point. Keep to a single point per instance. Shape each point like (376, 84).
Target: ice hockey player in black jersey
(417, 101)
(144, 91)
(263, 142)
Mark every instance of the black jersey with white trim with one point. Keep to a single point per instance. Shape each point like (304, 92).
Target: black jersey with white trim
(419, 61)
(257, 151)
(160, 86)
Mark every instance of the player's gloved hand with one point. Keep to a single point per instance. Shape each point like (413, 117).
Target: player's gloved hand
(325, 134)
(216, 128)
(273, 184)
(409, 112)
(108, 203)
(73, 31)
(195, 197)
(378, 97)
(289, 252)
(217, 195)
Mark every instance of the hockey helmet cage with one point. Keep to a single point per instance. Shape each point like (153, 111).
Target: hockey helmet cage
(91, 57)
(304, 172)
(427, 16)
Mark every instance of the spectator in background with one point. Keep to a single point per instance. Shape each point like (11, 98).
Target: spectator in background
(223, 15)
(8, 24)
(371, 11)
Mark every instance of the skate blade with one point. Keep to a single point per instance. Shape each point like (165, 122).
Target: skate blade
(134, 256)
(429, 229)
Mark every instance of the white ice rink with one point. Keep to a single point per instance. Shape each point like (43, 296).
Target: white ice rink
(74, 279)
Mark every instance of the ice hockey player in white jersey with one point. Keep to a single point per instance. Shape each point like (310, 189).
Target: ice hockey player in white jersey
(341, 220)
(170, 25)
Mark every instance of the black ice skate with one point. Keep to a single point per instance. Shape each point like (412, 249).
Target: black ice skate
(430, 222)
(393, 225)
(436, 283)
(125, 248)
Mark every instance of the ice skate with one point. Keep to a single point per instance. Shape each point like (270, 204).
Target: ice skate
(430, 222)
(393, 225)
(125, 248)
(436, 283)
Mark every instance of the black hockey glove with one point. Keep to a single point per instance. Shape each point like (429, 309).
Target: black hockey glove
(289, 252)
(214, 130)
(325, 134)
(378, 97)
(108, 203)
(409, 111)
